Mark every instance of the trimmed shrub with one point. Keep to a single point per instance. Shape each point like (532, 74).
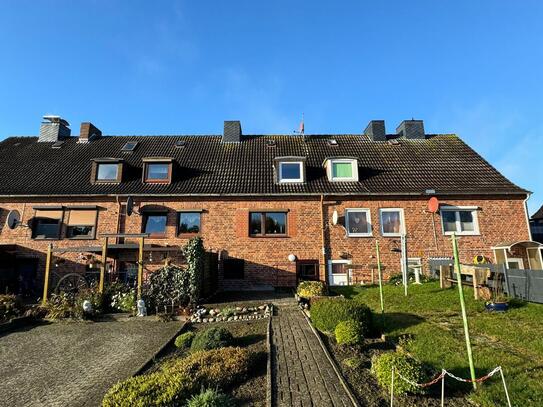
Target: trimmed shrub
(408, 367)
(310, 289)
(213, 368)
(61, 306)
(326, 313)
(349, 332)
(212, 338)
(184, 340)
(155, 389)
(211, 398)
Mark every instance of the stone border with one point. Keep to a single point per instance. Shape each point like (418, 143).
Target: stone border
(269, 381)
(145, 365)
(332, 362)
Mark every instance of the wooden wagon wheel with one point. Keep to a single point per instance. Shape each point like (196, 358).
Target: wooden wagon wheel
(71, 283)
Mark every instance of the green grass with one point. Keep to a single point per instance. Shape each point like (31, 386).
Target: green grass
(431, 317)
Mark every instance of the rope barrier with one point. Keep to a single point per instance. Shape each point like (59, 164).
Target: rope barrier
(442, 376)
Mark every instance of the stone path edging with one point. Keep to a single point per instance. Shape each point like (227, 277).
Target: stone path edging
(269, 389)
(149, 362)
(332, 362)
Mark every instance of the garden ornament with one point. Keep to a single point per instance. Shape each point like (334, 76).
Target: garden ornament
(142, 309)
(87, 307)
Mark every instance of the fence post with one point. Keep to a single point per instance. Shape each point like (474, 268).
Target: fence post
(47, 271)
(506, 277)
(505, 388)
(392, 388)
(443, 388)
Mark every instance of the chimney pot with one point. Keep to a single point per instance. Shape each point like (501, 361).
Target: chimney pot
(375, 130)
(411, 129)
(88, 132)
(53, 129)
(232, 131)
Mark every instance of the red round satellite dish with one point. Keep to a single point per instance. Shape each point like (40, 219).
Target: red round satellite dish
(433, 204)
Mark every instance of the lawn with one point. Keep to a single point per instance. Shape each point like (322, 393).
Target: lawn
(430, 317)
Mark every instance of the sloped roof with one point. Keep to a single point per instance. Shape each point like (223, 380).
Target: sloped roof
(539, 214)
(206, 166)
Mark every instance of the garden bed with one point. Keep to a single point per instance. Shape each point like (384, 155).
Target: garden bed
(250, 335)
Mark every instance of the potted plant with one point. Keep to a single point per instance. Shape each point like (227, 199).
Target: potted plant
(499, 301)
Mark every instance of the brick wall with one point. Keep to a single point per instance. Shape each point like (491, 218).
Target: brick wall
(225, 230)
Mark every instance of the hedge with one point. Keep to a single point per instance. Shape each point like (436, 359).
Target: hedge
(326, 313)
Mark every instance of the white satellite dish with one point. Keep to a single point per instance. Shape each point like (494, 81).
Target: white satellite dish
(335, 218)
(14, 219)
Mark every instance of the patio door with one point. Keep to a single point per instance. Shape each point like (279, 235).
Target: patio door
(337, 272)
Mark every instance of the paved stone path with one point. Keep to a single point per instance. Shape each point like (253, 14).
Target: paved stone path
(74, 363)
(302, 375)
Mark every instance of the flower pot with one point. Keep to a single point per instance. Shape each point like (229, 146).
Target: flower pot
(497, 306)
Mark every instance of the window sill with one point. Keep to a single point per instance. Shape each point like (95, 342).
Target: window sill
(462, 233)
(82, 238)
(46, 238)
(359, 235)
(269, 236)
(188, 235)
(391, 235)
(156, 237)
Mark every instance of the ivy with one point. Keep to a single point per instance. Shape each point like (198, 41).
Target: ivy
(194, 253)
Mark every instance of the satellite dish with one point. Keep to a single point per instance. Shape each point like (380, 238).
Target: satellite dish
(129, 206)
(335, 218)
(433, 204)
(14, 219)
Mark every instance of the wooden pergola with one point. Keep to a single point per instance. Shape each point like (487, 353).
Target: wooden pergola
(105, 249)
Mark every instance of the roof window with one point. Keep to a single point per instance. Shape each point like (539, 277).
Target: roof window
(130, 146)
(332, 142)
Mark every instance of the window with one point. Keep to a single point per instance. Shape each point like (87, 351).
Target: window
(189, 222)
(515, 263)
(268, 224)
(82, 224)
(46, 224)
(308, 270)
(130, 146)
(392, 222)
(342, 169)
(157, 172)
(291, 172)
(462, 221)
(108, 172)
(358, 222)
(155, 224)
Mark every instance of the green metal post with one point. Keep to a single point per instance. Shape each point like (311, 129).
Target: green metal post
(463, 306)
(380, 282)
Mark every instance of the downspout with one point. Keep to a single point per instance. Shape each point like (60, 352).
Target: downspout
(323, 227)
(527, 216)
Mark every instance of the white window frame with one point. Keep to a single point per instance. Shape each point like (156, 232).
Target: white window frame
(456, 209)
(290, 180)
(517, 260)
(368, 219)
(402, 222)
(354, 165)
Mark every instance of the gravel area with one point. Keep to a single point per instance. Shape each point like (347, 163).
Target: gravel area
(75, 363)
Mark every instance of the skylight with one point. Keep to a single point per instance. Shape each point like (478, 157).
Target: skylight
(57, 144)
(270, 143)
(180, 143)
(130, 146)
(332, 142)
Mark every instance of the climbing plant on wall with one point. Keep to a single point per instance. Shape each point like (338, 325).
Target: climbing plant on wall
(195, 255)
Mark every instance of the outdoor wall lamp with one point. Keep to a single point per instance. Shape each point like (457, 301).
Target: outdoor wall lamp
(292, 258)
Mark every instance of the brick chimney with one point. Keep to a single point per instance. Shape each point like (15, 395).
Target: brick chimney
(232, 131)
(88, 132)
(375, 130)
(53, 128)
(411, 129)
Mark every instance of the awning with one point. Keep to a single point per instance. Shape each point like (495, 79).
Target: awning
(528, 244)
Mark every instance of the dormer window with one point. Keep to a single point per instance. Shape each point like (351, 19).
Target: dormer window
(106, 170)
(342, 169)
(157, 170)
(290, 169)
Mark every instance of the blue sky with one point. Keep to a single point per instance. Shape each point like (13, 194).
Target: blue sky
(169, 67)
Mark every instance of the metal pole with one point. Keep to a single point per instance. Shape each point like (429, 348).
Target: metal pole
(443, 388)
(104, 265)
(505, 388)
(47, 270)
(140, 266)
(405, 270)
(463, 307)
(392, 388)
(380, 277)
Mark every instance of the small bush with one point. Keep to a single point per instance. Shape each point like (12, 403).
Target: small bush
(326, 313)
(184, 340)
(155, 389)
(309, 289)
(90, 294)
(212, 338)
(10, 306)
(408, 367)
(349, 332)
(214, 368)
(62, 306)
(211, 398)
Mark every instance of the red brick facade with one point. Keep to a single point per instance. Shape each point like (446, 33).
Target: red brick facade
(224, 228)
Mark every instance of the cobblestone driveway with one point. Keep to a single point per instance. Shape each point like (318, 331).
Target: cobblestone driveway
(73, 364)
(302, 374)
